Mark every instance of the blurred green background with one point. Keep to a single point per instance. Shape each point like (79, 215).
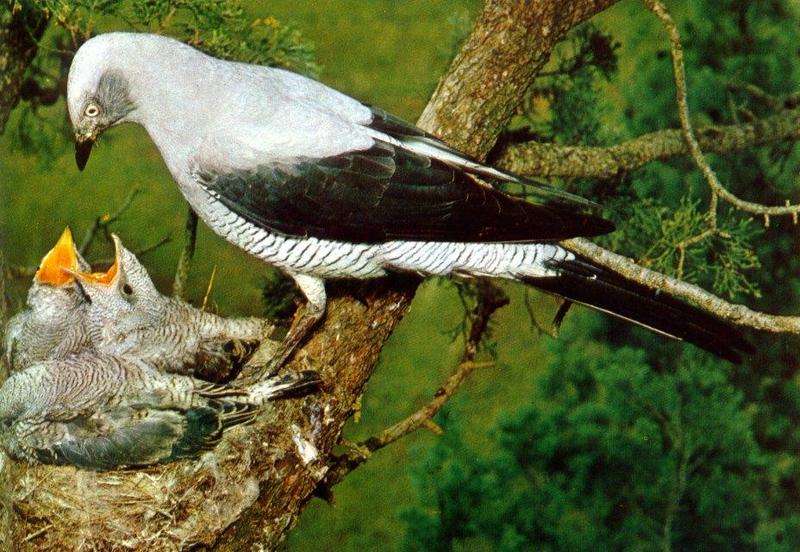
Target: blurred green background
(551, 433)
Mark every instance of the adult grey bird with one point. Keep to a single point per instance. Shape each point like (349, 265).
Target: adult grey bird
(128, 316)
(324, 186)
(52, 325)
(102, 412)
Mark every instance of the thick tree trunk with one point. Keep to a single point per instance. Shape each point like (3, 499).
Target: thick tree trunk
(249, 492)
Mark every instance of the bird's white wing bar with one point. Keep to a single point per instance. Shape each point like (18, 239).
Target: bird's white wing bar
(387, 127)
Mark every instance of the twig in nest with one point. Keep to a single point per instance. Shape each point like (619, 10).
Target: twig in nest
(35, 534)
(490, 298)
(717, 189)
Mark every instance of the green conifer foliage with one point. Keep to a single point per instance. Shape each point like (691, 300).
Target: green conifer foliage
(631, 443)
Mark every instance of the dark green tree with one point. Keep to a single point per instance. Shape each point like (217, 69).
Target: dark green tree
(640, 446)
(611, 455)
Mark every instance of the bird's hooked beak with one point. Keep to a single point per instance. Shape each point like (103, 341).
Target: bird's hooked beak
(56, 267)
(102, 278)
(83, 148)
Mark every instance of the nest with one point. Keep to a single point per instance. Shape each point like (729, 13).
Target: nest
(245, 494)
(183, 505)
(187, 504)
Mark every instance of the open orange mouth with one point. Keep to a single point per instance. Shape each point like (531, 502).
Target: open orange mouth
(63, 256)
(104, 278)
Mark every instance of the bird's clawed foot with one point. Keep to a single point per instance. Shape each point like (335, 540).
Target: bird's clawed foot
(305, 321)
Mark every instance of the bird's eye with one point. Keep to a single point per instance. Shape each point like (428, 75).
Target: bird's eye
(127, 289)
(92, 110)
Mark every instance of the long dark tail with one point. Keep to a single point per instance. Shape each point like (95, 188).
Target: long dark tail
(580, 281)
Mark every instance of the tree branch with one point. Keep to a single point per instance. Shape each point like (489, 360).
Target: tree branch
(466, 116)
(738, 314)
(542, 159)
(490, 298)
(717, 189)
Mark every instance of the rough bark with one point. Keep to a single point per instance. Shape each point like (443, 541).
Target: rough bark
(21, 26)
(249, 492)
(498, 61)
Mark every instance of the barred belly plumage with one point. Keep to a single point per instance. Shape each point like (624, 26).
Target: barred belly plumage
(498, 260)
(333, 259)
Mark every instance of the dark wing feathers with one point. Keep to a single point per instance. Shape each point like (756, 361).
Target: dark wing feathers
(121, 440)
(395, 127)
(140, 437)
(389, 193)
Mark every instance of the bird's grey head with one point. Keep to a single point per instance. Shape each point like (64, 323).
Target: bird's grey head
(129, 77)
(98, 90)
(124, 296)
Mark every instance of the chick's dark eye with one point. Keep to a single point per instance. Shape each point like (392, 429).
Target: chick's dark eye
(127, 289)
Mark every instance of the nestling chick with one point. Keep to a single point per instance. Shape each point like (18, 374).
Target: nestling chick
(53, 324)
(128, 316)
(102, 412)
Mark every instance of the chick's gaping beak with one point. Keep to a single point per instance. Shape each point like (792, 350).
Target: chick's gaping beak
(83, 147)
(103, 278)
(59, 262)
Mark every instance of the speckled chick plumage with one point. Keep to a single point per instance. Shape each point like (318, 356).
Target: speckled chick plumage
(102, 412)
(52, 326)
(129, 317)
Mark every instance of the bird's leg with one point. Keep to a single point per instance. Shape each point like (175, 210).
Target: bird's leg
(309, 316)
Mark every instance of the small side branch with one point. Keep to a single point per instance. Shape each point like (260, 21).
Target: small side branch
(424, 415)
(717, 189)
(738, 314)
(490, 299)
(187, 254)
